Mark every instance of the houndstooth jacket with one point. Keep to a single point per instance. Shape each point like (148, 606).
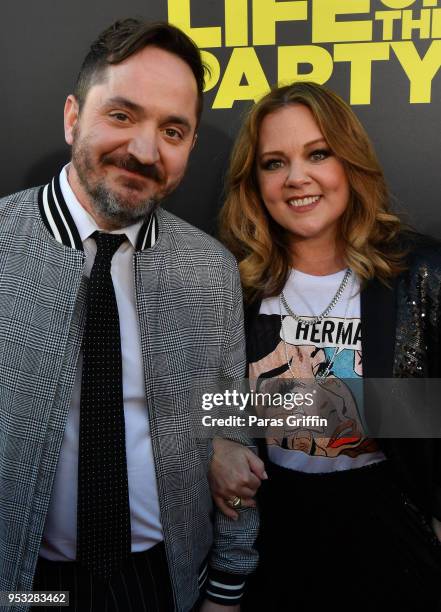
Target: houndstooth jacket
(189, 304)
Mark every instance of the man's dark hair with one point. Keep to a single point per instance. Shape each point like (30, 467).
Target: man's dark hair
(126, 37)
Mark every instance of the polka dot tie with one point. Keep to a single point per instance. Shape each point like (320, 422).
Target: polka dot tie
(103, 521)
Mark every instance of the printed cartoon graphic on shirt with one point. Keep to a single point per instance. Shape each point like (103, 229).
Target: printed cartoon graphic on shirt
(330, 352)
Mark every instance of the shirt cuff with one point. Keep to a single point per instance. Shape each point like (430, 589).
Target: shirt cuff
(224, 588)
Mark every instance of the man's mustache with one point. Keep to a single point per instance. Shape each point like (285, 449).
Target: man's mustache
(131, 164)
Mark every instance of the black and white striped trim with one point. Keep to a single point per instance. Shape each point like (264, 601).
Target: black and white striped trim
(56, 215)
(58, 220)
(224, 588)
(148, 234)
(202, 578)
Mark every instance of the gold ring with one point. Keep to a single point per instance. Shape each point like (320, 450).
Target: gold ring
(235, 502)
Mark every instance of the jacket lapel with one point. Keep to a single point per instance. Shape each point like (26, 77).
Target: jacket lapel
(378, 323)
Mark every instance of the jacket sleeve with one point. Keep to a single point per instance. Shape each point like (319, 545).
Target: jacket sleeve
(233, 555)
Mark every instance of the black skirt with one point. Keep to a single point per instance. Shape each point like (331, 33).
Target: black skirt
(346, 540)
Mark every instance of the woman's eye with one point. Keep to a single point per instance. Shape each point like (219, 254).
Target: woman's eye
(320, 155)
(272, 164)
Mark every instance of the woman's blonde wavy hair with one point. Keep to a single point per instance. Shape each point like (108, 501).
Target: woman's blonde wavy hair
(368, 229)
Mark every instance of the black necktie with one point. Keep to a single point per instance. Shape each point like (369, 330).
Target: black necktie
(103, 521)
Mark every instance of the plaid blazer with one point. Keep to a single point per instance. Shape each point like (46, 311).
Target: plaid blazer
(189, 306)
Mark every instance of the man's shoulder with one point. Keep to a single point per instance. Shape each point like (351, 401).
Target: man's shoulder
(189, 238)
(14, 202)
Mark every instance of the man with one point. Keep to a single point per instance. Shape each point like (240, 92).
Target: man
(109, 308)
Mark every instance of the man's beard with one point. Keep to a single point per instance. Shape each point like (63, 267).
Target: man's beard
(109, 205)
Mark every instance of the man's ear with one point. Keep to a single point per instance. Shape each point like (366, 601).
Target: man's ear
(195, 137)
(71, 114)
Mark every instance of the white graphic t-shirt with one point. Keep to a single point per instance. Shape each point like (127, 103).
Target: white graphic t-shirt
(330, 348)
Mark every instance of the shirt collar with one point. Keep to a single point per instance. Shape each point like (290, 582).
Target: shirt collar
(85, 223)
(70, 224)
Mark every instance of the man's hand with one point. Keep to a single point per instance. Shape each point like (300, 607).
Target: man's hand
(234, 471)
(209, 606)
(436, 526)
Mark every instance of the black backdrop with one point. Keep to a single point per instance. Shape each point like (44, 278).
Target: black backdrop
(43, 43)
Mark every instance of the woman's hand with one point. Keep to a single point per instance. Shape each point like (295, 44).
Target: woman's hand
(235, 471)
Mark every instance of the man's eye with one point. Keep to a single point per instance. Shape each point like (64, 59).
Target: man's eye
(272, 164)
(172, 133)
(121, 117)
(320, 154)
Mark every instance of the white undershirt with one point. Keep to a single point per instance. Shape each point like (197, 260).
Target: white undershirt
(59, 537)
(308, 296)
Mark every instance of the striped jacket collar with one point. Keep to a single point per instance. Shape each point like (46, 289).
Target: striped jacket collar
(60, 224)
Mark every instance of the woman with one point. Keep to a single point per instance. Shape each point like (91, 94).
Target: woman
(336, 290)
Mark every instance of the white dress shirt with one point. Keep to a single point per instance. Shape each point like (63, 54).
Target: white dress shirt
(60, 534)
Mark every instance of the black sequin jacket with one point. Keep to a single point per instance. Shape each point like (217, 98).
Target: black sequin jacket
(401, 337)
